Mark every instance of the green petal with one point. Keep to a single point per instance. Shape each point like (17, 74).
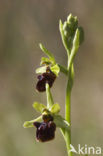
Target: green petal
(55, 108)
(39, 107)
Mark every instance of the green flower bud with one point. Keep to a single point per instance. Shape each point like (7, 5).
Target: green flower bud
(70, 26)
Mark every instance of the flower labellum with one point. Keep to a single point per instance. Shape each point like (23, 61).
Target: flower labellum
(45, 131)
(47, 77)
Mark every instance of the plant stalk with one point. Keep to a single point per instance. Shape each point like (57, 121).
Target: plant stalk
(50, 101)
(68, 109)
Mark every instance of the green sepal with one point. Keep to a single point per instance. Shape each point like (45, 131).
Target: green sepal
(61, 122)
(47, 52)
(39, 107)
(41, 70)
(55, 69)
(45, 60)
(55, 108)
(28, 124)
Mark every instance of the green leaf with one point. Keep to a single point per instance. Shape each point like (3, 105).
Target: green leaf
(39, 107)
(41, 70)
(76, 42)
(28, 124)
(74, 49)
(55, 108)
(47, 52)
(61, 122)
(55, 69)
(64, 38)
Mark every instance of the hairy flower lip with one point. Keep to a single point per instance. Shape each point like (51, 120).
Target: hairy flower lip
(45, 131)
(47, 77)
(37, 124)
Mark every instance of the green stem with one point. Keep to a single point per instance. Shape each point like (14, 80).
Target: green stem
(68, 142)
(69, 88)
(68, 117)
(68, 108)
(50, 101)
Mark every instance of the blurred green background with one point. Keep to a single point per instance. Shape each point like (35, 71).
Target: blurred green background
(23, 24)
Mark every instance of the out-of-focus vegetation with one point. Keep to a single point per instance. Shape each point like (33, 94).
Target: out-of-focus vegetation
(23, 24)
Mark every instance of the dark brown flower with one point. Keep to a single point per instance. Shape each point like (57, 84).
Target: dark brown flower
(45, 131)
(47, 77)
